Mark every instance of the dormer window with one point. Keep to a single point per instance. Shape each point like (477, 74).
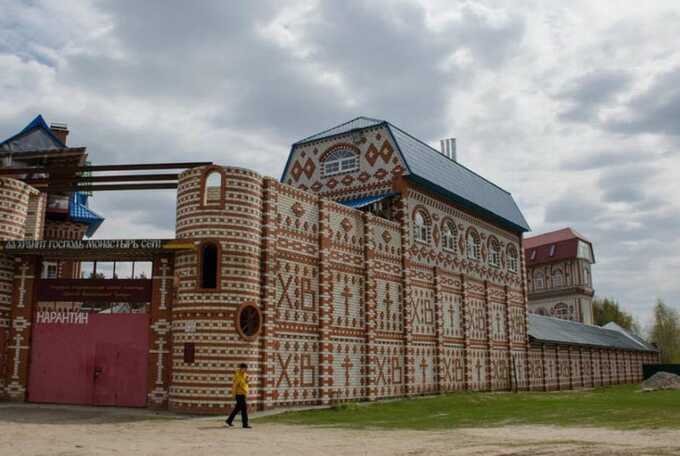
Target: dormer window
(338, 162)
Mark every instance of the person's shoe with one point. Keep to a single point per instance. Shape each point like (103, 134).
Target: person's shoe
(247, 427)
(228, 424)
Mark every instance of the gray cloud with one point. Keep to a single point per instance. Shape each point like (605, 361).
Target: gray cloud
(586, 94)
(656, 110)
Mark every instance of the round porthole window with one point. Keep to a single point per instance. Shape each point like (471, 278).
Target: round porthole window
(249, 321)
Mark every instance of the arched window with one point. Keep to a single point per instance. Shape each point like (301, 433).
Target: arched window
(421, 229)
(561, 310)
(539, 280)
(494, 252)
(449, 236)
(557, 279)
(513, 262)
(210, 256)
(213, 187)
(339, 161)
(473, 245)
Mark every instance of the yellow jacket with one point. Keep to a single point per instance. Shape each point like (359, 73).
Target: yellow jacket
(240, 383)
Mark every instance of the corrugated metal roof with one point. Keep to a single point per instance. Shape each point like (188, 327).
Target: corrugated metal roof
(555, 330)
(361, 202)
(614, 327)
(354, 124)
(80, 213)
(429, 167)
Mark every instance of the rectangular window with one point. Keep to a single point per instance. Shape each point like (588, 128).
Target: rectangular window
(189, 352)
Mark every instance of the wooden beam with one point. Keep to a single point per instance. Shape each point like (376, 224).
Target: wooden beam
(109, 188)
(96, 168)
(58, 181)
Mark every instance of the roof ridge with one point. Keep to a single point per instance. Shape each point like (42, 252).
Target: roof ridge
(308, 138)
(390, 124)
(37, 122)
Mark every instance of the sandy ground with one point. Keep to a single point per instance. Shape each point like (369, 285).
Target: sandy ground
(59, 431)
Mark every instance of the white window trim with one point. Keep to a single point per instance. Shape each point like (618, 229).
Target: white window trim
(421, 232)
(449, 234)
(345, 164)
(474, 252)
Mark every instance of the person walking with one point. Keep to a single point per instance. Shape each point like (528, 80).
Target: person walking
(240, 390)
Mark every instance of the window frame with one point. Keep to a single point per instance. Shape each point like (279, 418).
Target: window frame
(448, 226)
(476, 245)
(537, 275)
(513, 258)
(207, 172)
(423, 230)
(341, 164)
(494, 253)
(201, 264)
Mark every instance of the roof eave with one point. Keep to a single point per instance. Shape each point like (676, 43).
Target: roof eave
(508, 224)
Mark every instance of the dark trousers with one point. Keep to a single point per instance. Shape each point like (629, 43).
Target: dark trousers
(242, 407)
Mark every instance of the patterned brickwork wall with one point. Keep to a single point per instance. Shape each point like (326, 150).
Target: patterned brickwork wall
(15, 197)
(379, 163)
(160, 361)
(206, 348)
(58, 229)
(35, 216)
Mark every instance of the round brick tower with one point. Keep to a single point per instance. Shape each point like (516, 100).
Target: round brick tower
(216, 316)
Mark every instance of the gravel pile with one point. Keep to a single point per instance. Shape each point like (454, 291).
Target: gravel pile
(661, 381)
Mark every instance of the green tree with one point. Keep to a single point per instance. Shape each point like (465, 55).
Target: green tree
(607, 309)
(665, 332)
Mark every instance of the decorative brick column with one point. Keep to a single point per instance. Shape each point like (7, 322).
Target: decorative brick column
(407, 296)
(439, 330)
(268, 275)
(325, 303)
(160, 321)
(465, 321)
(25, 282)
(489, 323)
(370, 304)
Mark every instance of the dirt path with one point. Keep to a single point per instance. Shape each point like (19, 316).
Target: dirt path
(33, 431)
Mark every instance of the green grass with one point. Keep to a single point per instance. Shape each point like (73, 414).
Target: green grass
(620, 407)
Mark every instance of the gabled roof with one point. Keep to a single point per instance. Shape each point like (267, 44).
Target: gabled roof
(35, 136)
(554, 246)
(565, 234)
(431, 169)
(555, 330)
(615, 327)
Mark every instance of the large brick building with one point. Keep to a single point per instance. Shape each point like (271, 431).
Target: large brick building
(377, 267)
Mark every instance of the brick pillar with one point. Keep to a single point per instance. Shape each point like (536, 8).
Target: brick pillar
(465, 321)
(325, 303)
(370, 304)
(18, 346)
(439, 330)
(525, 301)
(509, 359)
(545, 368)
(407, 295)
(268, 277)
(160, 358)
(487, 316)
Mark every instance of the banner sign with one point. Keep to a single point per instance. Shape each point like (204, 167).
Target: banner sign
(68, 318)
(93, 245)
(95, 290)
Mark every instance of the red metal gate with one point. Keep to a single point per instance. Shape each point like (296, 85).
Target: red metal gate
(89, 359)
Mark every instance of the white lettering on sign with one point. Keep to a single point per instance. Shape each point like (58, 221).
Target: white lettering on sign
(92, 244)
(68, 318)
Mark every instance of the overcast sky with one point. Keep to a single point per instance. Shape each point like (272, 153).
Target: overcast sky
(575, 110)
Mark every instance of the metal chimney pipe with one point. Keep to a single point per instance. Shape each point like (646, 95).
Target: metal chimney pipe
(448, 148)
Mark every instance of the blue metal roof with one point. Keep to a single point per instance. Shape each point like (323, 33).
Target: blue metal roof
(14, 143)
(361, 202)
(431, 169)
(80, 213)
(555, 330)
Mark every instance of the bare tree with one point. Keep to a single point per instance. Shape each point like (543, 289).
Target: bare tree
(665, 332)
